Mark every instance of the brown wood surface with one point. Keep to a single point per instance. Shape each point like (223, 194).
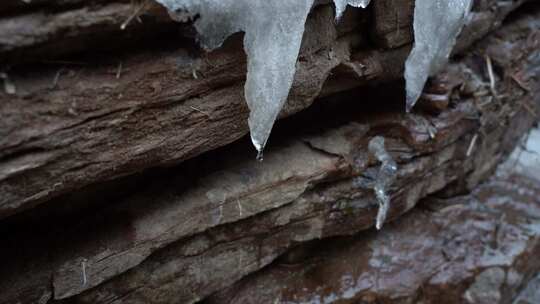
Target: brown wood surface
(94, 103)
(183, 235)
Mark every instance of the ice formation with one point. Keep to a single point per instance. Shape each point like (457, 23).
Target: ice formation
(342, 4)
(436, 26)
(273, 34)
(385, 177)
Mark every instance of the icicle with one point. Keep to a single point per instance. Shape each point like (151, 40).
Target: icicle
(260, 154)
(272, 47)
(273, 34)
(436, 26)
(385, 177)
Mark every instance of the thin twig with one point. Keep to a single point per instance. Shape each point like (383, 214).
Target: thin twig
(119, 70)
(56, 78)
(471, 145)
(239, 207)
(527, 107)
(201, 111)
(134, 15)
(491, 75)
(520, 83)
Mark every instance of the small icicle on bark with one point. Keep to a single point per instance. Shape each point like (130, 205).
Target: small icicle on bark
(273, 34)
(385, 177)
(436, 25)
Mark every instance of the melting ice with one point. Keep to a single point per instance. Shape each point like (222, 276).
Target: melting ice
(436, 26)
(273, 34)
(385, 177)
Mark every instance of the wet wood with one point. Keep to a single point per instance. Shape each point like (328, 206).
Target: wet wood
(211, 222)
(477, 248)
(99, 116)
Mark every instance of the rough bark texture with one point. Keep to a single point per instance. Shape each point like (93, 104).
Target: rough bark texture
(78, 121)
(224, 228)
(478, 248)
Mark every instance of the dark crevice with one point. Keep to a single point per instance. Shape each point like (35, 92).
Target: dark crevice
(329, 113)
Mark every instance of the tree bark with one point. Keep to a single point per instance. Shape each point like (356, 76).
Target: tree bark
(471, 249)
(73, 123)
(215, 220)
(81, 140)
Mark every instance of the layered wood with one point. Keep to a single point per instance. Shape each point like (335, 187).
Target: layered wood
(193, 231)
(479, 248)
(79, 115)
